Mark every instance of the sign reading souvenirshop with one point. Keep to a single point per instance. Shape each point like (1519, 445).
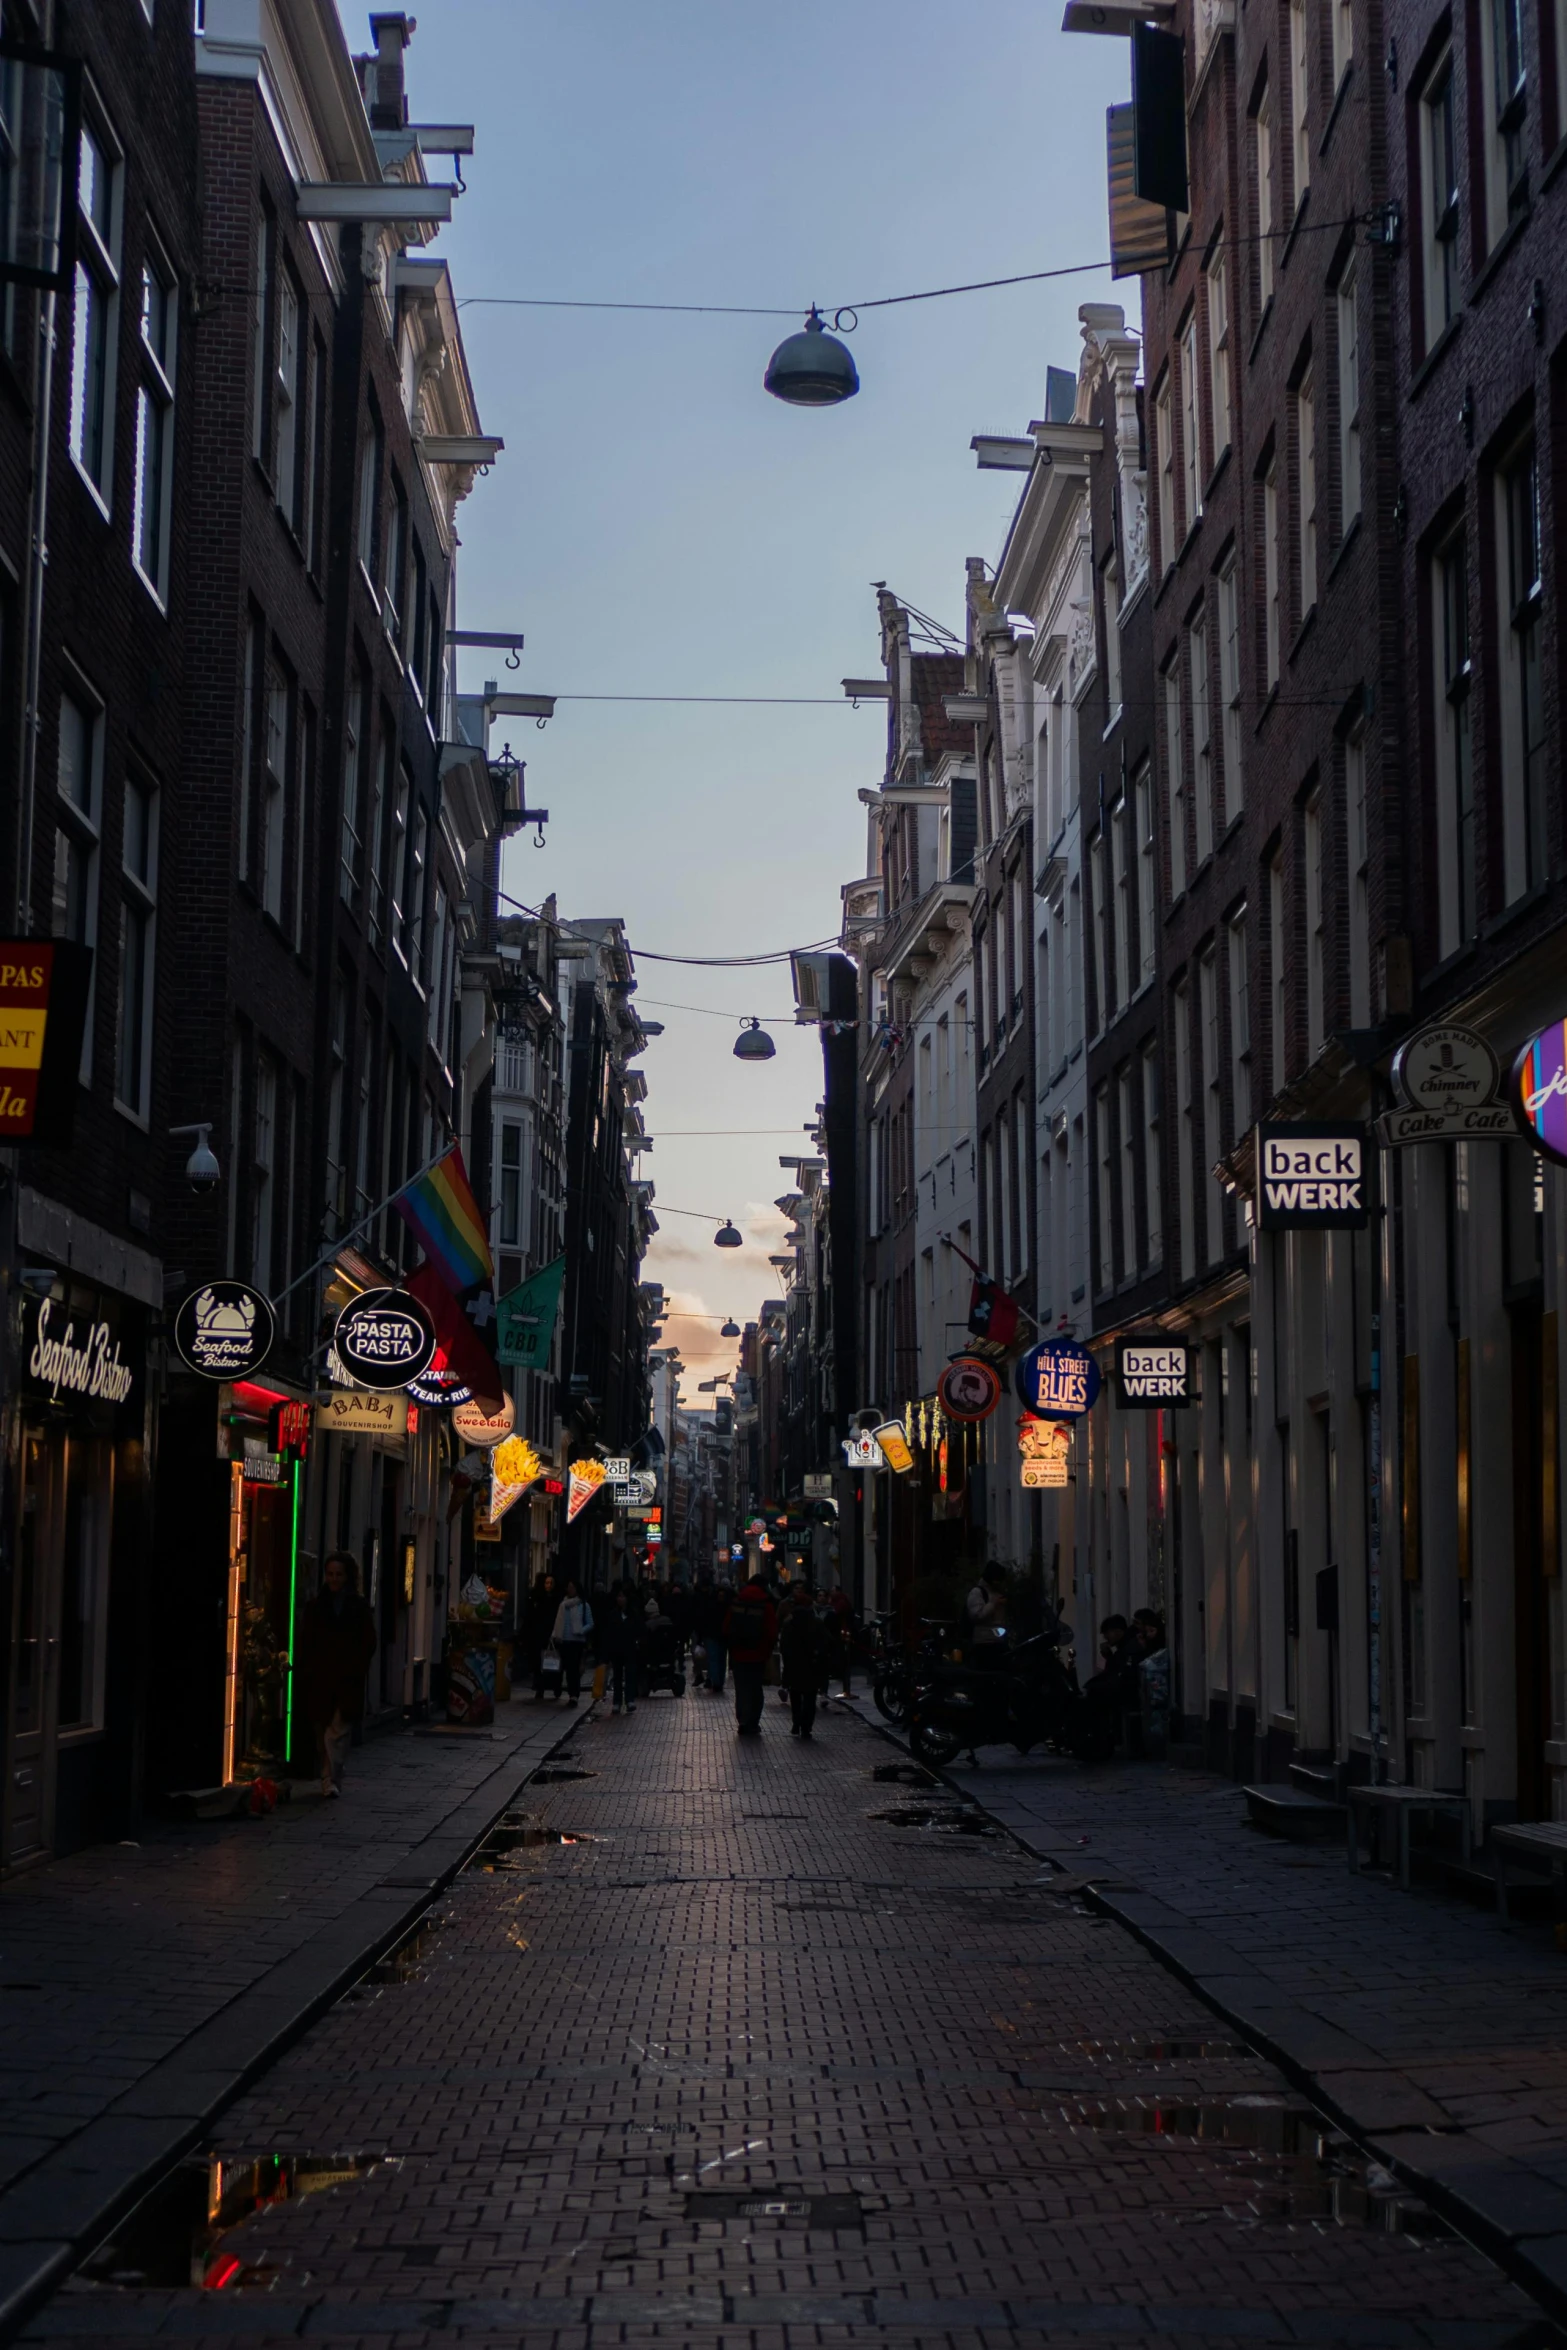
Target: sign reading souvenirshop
(1312, 1178)
(1152, 1374)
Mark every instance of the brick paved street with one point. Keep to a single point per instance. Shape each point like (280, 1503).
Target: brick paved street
(745, 1985)
(139, 1983)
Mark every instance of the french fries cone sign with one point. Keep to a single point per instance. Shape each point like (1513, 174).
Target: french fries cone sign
(514, 1466)
(585, 1480)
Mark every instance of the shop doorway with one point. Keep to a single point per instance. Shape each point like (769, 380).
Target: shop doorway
(1531, 1625)
(58, 1624)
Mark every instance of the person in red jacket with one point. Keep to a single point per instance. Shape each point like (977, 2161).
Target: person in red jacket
(750, 1631)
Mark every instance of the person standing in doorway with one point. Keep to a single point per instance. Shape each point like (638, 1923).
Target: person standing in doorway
(573, 1623)
(335, 1645)
(750, 1632)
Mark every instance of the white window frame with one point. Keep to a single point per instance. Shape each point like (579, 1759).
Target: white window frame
(289, 444)
(1232, 784)
(138, 908)
(1314, 841)
(1272, 573)
(1452, 679)
(1343, 39)
(1441, 207)
(1306, 477)
(1164, 432)
(1210, 1016)
(1103, 1153)
(1278, 976)
(1357, 821)
(1153, 1172)
(1110, 582)
(1349, 485)
(1175, 772)
(1121, 888)
(79, 829)
(1240, 1024)
(1191, 421)
(1525, 785)
(1126, 1126)
(1504, 99)
(1147, 875)
(1096, 921)
(1300, 98)
(1185, 1138)
(277, 748)
(154, 501)
(1202, 735)
(1262, 140)
(1218, 351)
(95, 324)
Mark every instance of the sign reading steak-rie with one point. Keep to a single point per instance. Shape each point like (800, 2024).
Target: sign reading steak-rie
(1312, 1178)
(384, 1338)
(1152, 1374)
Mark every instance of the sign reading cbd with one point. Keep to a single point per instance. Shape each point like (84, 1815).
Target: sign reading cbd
(1312, 1178)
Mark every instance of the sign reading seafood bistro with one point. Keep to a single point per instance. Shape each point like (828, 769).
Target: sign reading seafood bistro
(1058, 1380)
(70, 1358)
(384, 1338)
(1540, 1091)
(224, 1330)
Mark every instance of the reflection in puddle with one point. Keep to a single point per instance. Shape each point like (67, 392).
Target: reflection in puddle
(554, 1775)
(956, 1822)
(1153, 2051)
(1288, 2163)
(175, 2236)
(905, 1774)
(516, 1832)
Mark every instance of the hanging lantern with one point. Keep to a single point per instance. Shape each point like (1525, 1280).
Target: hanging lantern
(753, 1043)
(812, 369)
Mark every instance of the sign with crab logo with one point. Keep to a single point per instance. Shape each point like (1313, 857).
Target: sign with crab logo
(225, 1330)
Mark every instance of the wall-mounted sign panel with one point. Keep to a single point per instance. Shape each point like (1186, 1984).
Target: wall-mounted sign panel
(356, 1411)
(1057, 1380)
(1312, 1178)
(1153, 1374)
(384, 1338)
(1540, 1091)
(224, 1330)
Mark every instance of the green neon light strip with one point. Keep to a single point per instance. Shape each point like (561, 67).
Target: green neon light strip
(293, 1595)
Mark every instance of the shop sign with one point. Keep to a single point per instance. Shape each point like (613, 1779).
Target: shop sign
(1540, 1091)
(293, 1428)
(261, 1467)
(438, 1386)
(583, 1480)
(384, 1338)
(1045, 1447)
(1057, 1380)
(477, 1426)
(818, 1485)
(894, 1442)
(74, 1356)
(968, 1389)
(224, 1330)
(356, 1411)
(1152, 1374)
(525, 1319)
(1311, 1178)
(1449, 1080)
(514, 1466)
(862, 1451)
(43, 1010)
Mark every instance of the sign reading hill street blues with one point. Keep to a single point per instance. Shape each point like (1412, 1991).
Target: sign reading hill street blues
(384, 1338)
(224, 1330)
(1312, 1178)
(1540, 1091)
(1152, 1374)
(1058, 1380)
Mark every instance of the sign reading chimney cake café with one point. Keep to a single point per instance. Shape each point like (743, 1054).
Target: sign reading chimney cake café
(1152, 1374)
(1312, 1178)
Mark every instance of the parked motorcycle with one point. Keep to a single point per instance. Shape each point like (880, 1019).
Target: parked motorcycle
(898, 1673)
(1027, 1698)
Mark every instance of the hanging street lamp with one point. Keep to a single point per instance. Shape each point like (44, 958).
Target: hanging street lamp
(812, 369)
(728, 1236)
(753, 1043)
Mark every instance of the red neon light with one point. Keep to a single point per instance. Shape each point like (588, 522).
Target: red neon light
(222, 2272)
(251, 1396)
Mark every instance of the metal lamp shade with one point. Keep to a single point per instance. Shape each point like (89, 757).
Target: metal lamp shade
(812, 369)
(727, 1236)
(754, 1044)
(730, 1330)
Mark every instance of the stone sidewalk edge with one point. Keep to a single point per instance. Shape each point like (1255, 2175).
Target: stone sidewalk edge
(69, 2201)
(1515, 2215)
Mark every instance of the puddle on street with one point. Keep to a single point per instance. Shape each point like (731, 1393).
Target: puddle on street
(1152, 2051)
(556, 1775)
(175, 2236)
(516, 1832)
(905, 1774)
(1289, 2163)
(405, 1961)
(953, 1821)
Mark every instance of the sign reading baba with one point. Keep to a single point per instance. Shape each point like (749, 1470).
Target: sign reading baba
(1311, 1178)
(360, 1412)
(1057, 1380)
(968, 1389)
(224, 1330)
(384, 1338)
(1540, 1091)
(1152, 1374)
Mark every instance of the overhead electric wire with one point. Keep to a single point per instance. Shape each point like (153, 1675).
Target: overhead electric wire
(646, 954)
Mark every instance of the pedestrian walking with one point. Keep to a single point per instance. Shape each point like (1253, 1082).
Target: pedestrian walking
(573, 1623)
(336, 1642)
(543, 1600)
(805, 1640)
(618, 1638)
(750, 1631)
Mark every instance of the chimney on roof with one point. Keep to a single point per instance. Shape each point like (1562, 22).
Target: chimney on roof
(383, 72)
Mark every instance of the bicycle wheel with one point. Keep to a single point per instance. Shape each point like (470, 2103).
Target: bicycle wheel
(891, 1691)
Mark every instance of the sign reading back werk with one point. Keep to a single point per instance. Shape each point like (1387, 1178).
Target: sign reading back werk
(384, 1338)
(1312, 1178)
(1152, 1374)
(224, 1330)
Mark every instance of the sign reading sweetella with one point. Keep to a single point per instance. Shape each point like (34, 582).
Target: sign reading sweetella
(384, 1338)
(1312, 1178)
(224, 1330)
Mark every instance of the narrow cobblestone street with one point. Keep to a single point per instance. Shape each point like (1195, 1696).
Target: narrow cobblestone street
(628, 2059)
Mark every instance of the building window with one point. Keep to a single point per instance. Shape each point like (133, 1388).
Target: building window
(1191, 423)
(1271, 573)
(1343, 38)
(1523, 717)
(1315, 844)
(287, 401)
(370, 458)
(1164, 424)
(418, 854)
(1212, 1098)
(1231, 791)
(380, 799)
(314, 467)
(1357, 819)
(260, 309)
(95, 322)
(1121, 884)
(1153, 1172)
(262, 1167)
(1126, 1127)
(441, 978)
(1096, 923)
(1348, 400)
(511, 1185)
(1185, 1136)
(155, 429)
(1262, 125)
(1175, 775)
(337, 1120)
(1278, 983)
(1218, 353)
(1202, 740)
(396, 581)
(1506, 96)
(1240, 1025)
(1306, 461)
(1111, 585)
(78, 825)
(397, 863)
(1105, 1235)
(355, 752)
(1300, 97)
(278, 751)
(1147, 894)
(138, 912)
(1455, 807)
(1440, 159)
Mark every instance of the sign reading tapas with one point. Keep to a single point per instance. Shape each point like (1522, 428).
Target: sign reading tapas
(1450, 1084)
(1057, 1380)
(1311, 1178)
(1045, 1447)
(384, 1338)
(1152, 1374)
(1540, 1091)
(969, 1389)
(224, 1330)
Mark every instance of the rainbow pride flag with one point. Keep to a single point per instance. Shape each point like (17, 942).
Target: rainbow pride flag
(441, 1212)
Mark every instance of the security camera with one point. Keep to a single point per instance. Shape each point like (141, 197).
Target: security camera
(202, 1171)
(37, 1280)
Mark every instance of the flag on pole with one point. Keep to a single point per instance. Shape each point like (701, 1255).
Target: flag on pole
(441, 1212)
(525, 1318)
(466, 1350)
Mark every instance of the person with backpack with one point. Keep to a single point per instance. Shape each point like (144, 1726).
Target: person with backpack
(573, 1623)
(750, 1631)
(805, 1648)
